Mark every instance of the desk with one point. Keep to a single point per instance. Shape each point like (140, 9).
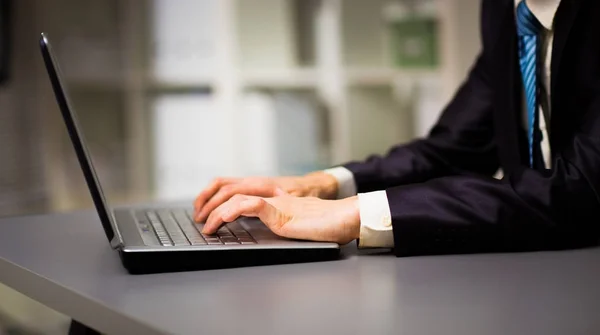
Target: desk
(68, 265)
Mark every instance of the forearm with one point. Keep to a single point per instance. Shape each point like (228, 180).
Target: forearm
(414, 162)
(468, 214)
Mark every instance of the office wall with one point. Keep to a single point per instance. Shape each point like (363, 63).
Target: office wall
(21, 175)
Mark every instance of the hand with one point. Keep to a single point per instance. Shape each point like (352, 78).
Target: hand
(317, 184)
(305, 218)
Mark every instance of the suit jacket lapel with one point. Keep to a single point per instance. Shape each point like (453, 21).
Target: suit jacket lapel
(563, 22)
(508, 90)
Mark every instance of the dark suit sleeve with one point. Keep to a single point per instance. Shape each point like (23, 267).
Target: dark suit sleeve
(460, 142)
(527, 210)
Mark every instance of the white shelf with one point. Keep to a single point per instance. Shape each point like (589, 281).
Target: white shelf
(180, 85)
(259, 78)
(94, 83)
(280, 78)
(379, 76)
(304, 78)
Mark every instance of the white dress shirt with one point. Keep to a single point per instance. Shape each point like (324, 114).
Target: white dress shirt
(375, 217)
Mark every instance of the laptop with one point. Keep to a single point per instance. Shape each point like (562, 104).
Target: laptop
(151, 239)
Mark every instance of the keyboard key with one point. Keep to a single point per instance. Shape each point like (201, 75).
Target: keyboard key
(146, 230)
(235, 225)
(224, 232)
(238, 231)
(247, 241)
(158, 228)
(227, 240)
(172, 228)
(188, 227)
(198, 241)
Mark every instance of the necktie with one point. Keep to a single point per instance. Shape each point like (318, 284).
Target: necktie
(528, 29)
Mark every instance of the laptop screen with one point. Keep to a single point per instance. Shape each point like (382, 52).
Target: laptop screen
(83, 156)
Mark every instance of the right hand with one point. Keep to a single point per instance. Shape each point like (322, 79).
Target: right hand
(220, 190)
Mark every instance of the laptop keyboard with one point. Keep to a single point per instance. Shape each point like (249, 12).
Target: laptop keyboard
(176, 228)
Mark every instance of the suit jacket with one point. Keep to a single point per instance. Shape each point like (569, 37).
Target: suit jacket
(443, 198)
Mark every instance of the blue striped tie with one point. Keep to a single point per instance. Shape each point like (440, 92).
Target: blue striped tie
(528, 28)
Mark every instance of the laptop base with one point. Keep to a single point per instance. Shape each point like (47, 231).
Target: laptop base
(145, 262)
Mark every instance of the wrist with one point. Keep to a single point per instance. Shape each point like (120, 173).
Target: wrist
(322, 185)
(351, 217)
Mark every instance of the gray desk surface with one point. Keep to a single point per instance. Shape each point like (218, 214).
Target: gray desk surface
(66, 263)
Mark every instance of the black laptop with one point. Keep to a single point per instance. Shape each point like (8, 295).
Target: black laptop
(163, 239)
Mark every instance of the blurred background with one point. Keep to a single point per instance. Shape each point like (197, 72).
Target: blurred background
(172, 93)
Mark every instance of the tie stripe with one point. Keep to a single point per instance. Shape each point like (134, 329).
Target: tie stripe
(528, 28)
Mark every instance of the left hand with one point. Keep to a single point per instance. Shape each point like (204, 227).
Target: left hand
(305, 218)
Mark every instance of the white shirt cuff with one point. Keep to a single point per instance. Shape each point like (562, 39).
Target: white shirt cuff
(375, 221)
(345, 180)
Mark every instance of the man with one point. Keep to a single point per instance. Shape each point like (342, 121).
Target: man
(530, 106)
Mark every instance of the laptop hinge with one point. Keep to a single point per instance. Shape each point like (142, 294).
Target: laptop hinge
(116, 243)
(117, 240)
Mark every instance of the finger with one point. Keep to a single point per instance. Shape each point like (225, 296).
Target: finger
(224, 194)
(210, 190)
(254, 207)
(226, 212)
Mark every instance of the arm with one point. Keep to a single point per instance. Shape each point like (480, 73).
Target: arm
(461, 142)
(527, 210)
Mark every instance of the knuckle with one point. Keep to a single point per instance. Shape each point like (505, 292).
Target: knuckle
(260, 202)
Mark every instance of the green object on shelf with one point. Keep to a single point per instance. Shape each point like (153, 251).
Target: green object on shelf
(414, 42)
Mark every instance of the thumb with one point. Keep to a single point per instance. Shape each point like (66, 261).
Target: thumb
(268, 214)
